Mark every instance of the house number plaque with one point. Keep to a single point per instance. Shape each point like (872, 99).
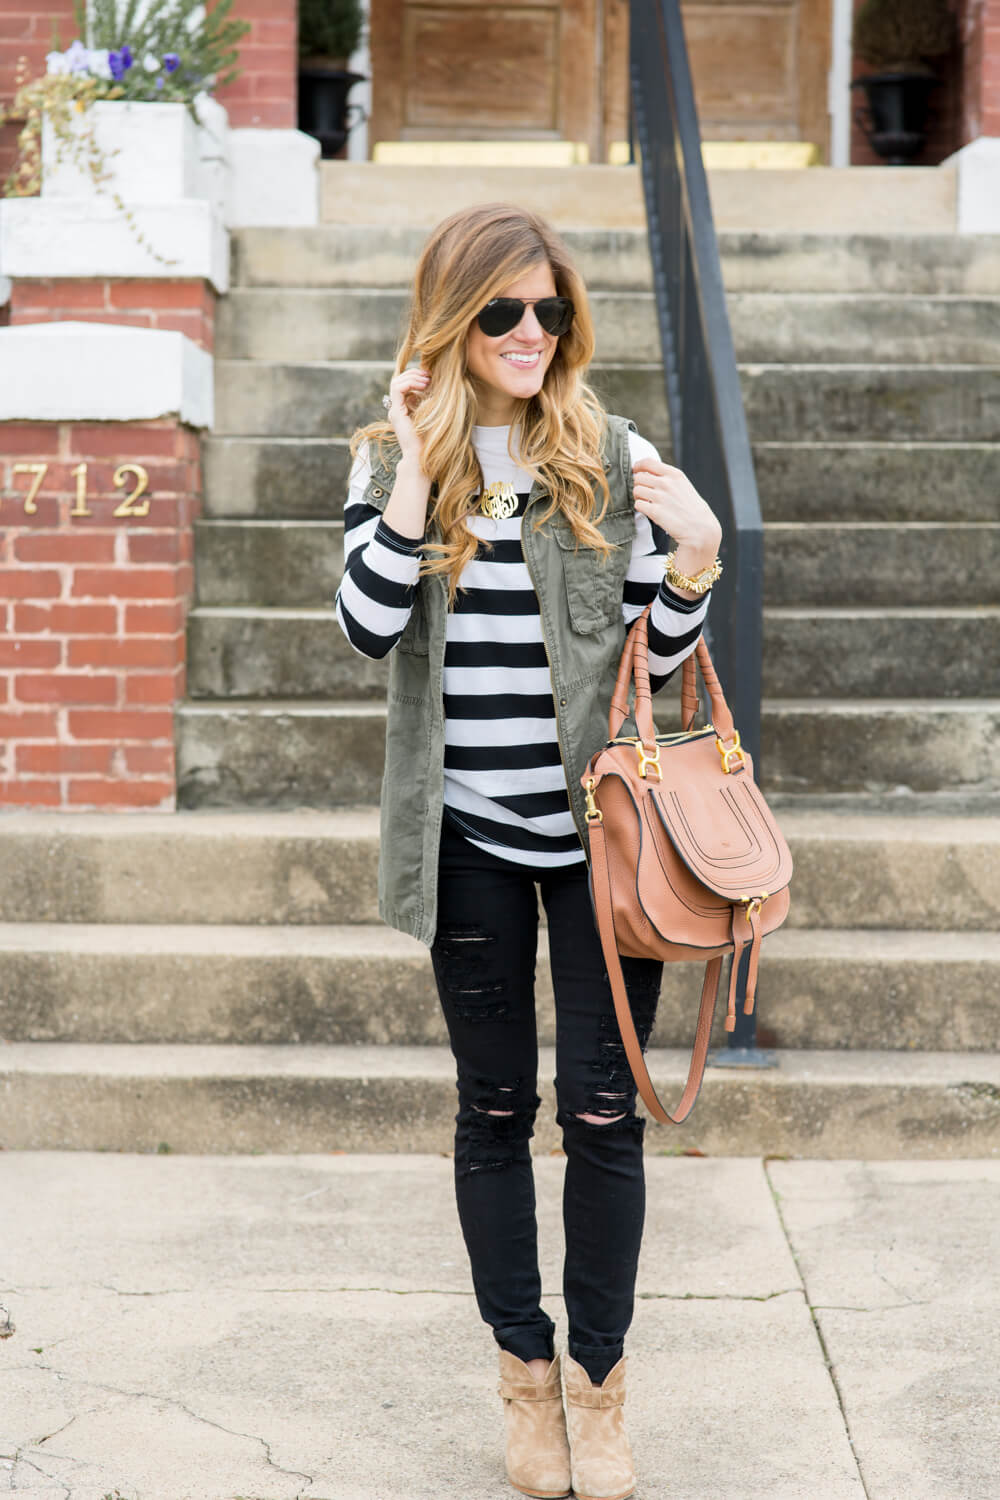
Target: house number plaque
(131, 505)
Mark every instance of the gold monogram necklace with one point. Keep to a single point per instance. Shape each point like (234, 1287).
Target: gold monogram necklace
(499, 501)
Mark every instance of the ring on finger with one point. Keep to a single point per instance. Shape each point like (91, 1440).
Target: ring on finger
(387, 402)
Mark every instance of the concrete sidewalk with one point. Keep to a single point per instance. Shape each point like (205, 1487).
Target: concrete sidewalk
(274, 1327)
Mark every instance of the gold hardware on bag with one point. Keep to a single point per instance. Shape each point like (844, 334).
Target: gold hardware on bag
(648, 760)
(733, 749)
(753, 904)
(593, 813)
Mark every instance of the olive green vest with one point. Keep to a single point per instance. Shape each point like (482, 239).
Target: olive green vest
(580, 600)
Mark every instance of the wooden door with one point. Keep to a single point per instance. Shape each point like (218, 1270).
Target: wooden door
(481, 70)
(759, 69)
(557, 70)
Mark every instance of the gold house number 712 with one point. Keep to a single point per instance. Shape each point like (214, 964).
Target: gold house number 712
(129, 506)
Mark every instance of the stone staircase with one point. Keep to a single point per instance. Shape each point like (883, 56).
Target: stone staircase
(218, 980)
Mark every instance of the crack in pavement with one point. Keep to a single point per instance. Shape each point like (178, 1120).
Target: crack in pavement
(886, 1307)
(790, 1291)
(167, 1401)
(20, 1459)
(776, 1198)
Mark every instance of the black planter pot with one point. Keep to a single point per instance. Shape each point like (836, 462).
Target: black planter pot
(895, 122)
(323, 108)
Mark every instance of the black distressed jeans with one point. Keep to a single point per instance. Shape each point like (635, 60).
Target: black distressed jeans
(484, 962)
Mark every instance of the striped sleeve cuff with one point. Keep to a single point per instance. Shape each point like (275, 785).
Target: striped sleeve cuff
(395, 541)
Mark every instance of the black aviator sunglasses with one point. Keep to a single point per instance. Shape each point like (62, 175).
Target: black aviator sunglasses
(501, 314)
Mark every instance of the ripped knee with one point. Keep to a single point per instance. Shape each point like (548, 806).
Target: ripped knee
(461, 952)
(495, 1122)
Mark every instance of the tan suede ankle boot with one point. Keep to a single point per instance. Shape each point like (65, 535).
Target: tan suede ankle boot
(600, 1455)
(537, 1450)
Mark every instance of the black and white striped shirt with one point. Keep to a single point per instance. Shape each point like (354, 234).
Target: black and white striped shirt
(504, 784)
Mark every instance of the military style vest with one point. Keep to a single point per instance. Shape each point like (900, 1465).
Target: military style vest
(580, 601)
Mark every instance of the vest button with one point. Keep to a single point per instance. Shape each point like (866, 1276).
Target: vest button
(562, 702)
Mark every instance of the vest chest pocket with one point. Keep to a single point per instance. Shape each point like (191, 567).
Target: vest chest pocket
(594, 583)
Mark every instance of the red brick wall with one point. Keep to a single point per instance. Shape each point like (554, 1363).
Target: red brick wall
(979, 24)
(187, 306)
(92, 614)
(26, 31)
(266, 92)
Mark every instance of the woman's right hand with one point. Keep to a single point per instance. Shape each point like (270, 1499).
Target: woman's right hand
(405, 391)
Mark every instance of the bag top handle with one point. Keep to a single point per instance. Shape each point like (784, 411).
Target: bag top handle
(635, 666)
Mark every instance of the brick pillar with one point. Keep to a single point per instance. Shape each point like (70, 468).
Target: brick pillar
(979, 26)
(266, 93)
(93, 603)
(185, 305)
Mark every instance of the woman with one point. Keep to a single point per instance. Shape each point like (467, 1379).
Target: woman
(498, 542)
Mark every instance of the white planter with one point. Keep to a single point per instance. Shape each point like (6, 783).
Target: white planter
(154, 152)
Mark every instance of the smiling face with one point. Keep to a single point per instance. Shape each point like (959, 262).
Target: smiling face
(512, 368)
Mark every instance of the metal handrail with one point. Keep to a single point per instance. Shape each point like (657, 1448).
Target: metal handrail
(708, 426)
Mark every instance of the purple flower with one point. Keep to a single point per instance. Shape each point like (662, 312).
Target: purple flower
(120, 62)
(159, 83)
(171, 61)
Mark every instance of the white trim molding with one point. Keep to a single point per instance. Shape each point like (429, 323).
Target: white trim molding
(96, 372)
(978, 169)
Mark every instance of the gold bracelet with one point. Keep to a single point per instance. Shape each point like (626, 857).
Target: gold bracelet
(699, 584)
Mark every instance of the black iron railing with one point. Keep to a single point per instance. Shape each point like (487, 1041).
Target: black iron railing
(708, 427)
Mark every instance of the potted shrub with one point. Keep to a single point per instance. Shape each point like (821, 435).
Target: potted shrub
(329, 31)
(900, 38)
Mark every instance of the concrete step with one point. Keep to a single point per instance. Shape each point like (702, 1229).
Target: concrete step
(924, 263)
(853, 869)
(298, 564)
(134, 1097)
(815, 652)
(813, 198)
(248, 561)
(284, 753)
(880, 563)
(280, 562)
(810, 652)
(365, 985)
(884, 403)
(245, 652)
(295, 324)
(306, 479)
(956, 403)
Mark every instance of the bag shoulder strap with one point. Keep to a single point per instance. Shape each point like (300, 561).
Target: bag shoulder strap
(601, 887)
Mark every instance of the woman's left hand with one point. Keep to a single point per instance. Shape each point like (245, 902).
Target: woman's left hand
(667, 497)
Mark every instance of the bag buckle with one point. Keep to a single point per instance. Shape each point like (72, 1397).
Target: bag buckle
(593, 813)
(753, 904)
(731, 750)
(648, 760)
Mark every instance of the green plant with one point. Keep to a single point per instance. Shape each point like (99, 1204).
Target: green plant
(329, 28)
(901, 35)
(164, 49)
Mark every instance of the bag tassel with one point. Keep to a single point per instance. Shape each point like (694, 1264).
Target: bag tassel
(750, 909)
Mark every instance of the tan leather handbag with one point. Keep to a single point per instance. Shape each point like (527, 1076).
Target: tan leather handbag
(686, 860)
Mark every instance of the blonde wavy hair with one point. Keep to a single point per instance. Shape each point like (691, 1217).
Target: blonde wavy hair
(557, 435)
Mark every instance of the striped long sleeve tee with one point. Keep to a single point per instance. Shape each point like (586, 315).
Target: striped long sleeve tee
(504, 784)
